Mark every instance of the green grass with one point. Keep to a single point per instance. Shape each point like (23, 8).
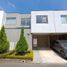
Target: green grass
(12, 55)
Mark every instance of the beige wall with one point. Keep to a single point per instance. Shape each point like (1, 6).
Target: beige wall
(28, 36)
(13, 31)
(14, 35)
(18, 19)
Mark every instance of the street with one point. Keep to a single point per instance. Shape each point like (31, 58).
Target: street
(31, 65)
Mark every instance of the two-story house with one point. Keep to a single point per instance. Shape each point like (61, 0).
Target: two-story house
(40, 27)
(47, 26)
(13, 23)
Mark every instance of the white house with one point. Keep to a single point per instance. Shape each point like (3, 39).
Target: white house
(48, 22)
(47, 26)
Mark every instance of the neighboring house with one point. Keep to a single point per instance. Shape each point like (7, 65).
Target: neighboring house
(40, 27)
(13, 23)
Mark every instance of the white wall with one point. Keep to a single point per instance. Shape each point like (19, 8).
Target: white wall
(42, 27)
(54, 22)
(60, 28)
(1, 18)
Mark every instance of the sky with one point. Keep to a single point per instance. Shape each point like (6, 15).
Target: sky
(26, 6)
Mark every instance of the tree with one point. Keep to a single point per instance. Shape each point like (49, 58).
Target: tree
(22, 45)
(4, 43)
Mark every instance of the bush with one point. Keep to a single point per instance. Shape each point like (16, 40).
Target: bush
(4, 43)
(28, 56)
(22, 45)
(12, 55)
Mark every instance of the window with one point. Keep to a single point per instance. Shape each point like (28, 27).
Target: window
(41, 19)
(64, 19)
(35, 42)
(26, 22)
(10, 20)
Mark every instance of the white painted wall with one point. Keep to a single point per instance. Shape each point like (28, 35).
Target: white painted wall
(60, 28)
(1, 18)
(42, 27)
(54, 22)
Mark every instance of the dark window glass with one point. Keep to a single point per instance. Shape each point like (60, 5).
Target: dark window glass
(64, 19)
(41, 19)
(26, 22)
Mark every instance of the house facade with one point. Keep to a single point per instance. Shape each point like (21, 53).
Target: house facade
(40, 27)
(13, 23)
(47, 26)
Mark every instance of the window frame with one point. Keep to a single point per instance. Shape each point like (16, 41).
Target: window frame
(65, 17)
(26, 20)
(10, 18)
(42, 16)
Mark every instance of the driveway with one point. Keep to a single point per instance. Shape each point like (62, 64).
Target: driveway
(47, 56)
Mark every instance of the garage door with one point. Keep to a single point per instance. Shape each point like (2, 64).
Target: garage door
(41, 41)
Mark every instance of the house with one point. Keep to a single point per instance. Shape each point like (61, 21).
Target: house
(47, 26)
(13, 23)
(40, 27)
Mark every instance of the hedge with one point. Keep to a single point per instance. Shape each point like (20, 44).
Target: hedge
(10, 55)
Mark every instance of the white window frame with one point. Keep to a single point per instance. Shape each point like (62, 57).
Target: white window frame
(10, 19)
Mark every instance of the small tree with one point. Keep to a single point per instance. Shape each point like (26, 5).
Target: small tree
(4, 43)
(22, 45)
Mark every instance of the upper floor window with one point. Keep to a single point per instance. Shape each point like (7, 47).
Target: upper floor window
(64, 19)
(10, 20)
(26, 22)
(42, 19)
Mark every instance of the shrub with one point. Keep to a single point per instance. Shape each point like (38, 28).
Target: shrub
(22, 45)
(12, 55)
(28, 56)
(4, 43)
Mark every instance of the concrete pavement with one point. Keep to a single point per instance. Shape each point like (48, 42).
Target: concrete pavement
(31, 65)
(47, 56)
(37, 58)
(42, 58)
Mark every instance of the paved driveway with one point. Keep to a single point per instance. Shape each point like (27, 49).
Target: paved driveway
(47, 56)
